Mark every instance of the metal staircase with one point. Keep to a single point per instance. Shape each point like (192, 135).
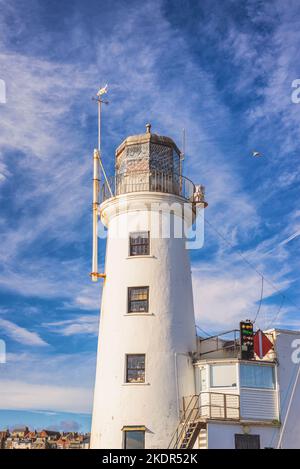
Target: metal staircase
(189, 426)
(191, 435)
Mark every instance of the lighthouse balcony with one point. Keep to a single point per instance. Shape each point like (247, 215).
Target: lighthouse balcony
(152, 181)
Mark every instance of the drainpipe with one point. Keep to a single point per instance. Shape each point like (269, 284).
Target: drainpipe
(177, 379)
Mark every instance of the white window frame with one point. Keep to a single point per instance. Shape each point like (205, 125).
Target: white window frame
(214, 388)
(260, 364)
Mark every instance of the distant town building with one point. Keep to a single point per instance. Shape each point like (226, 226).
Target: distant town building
(22, 438)
(19, 432)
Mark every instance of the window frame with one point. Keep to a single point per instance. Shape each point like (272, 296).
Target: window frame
(131, 368)
(259, 387)
(210, 375)
(139, 244)
(248, 439)
(129, 301)
(128, 430)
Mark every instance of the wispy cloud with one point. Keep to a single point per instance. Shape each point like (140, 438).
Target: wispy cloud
(20, 334)
(221, 70)
(17, 394)
(77, 325)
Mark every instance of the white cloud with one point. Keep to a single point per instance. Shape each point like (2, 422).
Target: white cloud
(46, 127)
(48, 381)
(20, 334)
(78, 325)
(15, 394)
(47, 103)
(290, 238)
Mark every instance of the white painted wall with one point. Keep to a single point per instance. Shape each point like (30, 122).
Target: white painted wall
(255, 404)
(287, 371)
(166, 334)
(261, 404)
(221, 436)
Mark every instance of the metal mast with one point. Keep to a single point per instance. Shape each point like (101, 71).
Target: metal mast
(96, 188)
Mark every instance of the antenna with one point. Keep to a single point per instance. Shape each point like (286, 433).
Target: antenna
(96, 186)
(181, 158)
(183, 145)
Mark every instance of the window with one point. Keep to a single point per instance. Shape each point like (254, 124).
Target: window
(257, 376)
(138, 299)
(201, 375)
(223, 376)
(135, 368)
(139, 243)
(247, 441)
(134, 438)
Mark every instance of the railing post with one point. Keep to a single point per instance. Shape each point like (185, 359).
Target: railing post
(225, 406)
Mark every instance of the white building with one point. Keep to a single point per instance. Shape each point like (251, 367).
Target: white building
(243, 404)
(157, 384)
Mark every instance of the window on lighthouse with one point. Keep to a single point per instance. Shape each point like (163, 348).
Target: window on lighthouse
(135, 368)
(138, 299)
(139, 243)
(134, 438)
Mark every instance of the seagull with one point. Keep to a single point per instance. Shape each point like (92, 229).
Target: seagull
(256, 154)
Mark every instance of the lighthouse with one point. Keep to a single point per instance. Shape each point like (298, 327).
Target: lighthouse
(147, 333)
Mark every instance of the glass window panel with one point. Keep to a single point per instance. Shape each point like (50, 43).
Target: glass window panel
(134, 439)
(257, 376)
(139, 243)
(135, 368)
(138, 299)
(222, 376)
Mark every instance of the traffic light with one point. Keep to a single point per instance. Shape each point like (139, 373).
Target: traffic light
(247, 340)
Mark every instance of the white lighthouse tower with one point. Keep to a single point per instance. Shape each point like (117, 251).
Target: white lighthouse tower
(147, 327)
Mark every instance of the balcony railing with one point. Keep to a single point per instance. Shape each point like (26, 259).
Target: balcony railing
(227, 345)
(152, 181)
(200, 408)
(214, 406)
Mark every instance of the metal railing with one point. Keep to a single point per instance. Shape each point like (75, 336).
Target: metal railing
(152, 181)
(199, 408)
(227, 344)
(189, 417)
(214, 405)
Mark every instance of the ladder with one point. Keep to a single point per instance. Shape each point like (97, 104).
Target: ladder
(190, 435)
(189, 426)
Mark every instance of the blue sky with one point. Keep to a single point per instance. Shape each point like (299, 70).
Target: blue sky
(223, 70)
